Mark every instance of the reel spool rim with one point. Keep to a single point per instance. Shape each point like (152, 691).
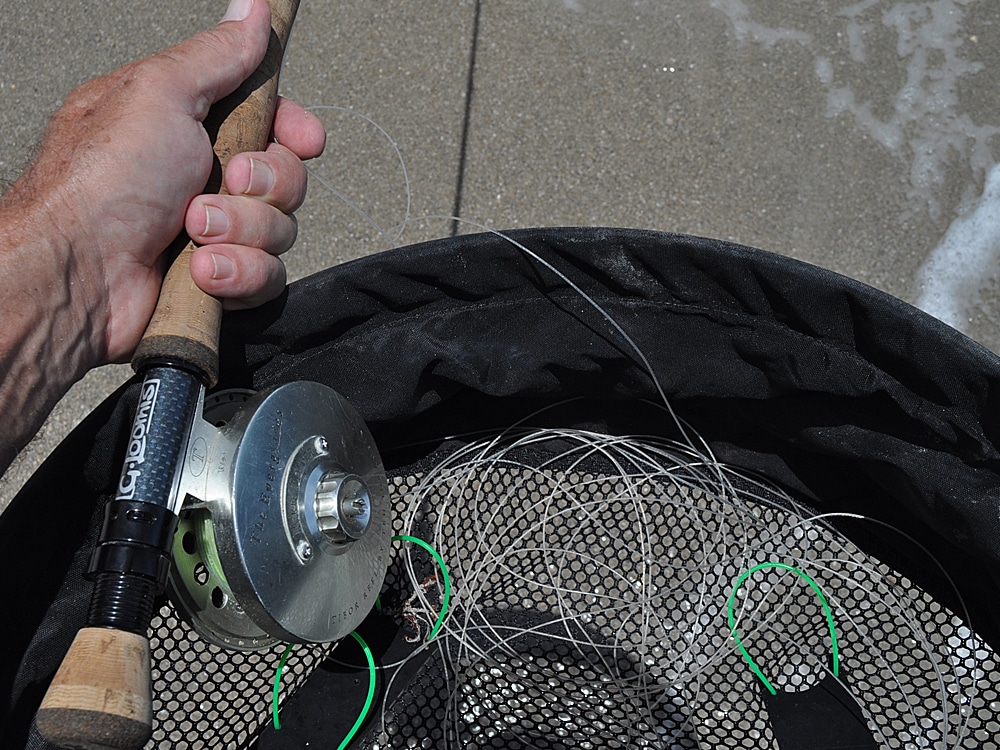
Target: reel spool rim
(282, 575)
(323, 595)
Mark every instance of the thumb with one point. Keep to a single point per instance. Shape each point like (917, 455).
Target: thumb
(213, 63)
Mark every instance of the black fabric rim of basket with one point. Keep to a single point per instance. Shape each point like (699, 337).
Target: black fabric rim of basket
(846, 396)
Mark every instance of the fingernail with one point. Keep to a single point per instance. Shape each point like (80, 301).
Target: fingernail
(216, 222)
(224, 267)
(261, 179)
(238, 10)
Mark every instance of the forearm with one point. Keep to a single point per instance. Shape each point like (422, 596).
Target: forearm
(44, 348)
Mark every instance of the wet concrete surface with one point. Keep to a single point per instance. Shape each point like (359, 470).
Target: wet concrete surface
(854, 135)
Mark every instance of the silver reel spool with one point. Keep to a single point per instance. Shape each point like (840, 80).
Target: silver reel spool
(285, 526)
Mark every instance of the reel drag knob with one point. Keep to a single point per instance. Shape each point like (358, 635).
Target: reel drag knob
(343, 506)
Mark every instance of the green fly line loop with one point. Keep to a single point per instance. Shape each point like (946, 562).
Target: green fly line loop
(368, 700)
(815, 587)
(446, 597)
(371, 691)
(277, 684)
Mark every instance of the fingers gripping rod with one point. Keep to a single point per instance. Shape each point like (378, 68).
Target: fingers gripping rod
(100, 697)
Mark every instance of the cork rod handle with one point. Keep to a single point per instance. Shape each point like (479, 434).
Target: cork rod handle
(100, 698)
(184, 329)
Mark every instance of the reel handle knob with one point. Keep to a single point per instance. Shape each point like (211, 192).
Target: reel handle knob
(100, 698)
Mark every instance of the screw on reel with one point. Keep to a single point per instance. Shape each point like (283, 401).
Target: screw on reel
(285, 528)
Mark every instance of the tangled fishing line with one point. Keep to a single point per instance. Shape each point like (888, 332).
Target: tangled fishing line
(590, 576)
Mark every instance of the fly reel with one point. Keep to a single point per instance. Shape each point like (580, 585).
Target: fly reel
(284, 530)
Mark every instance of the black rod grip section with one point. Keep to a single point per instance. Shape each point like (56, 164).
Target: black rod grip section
(131, 561)
(130, 564)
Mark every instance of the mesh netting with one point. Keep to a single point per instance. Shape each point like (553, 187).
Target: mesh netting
(589, 610)
(205, 696)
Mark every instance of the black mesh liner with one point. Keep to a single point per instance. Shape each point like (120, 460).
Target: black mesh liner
(845, 397)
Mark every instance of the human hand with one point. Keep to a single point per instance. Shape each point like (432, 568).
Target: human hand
(120, 170)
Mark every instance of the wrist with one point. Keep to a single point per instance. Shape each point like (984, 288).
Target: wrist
(47, 341)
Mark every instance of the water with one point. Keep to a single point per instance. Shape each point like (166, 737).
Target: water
(919, 117)
(958, 281)
(920, 120)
